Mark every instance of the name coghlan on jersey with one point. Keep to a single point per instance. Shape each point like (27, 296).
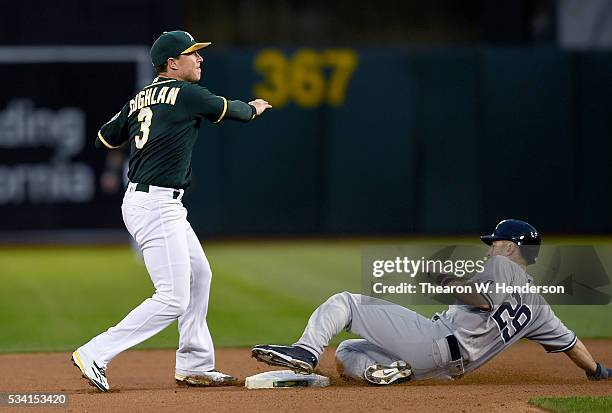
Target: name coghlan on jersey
(151, 96)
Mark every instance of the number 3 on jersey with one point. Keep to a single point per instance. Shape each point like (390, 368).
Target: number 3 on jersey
(144, 117)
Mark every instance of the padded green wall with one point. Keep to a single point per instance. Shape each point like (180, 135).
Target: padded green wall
(427, 141)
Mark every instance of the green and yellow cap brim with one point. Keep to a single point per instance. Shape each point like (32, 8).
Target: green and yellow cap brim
(196, 46)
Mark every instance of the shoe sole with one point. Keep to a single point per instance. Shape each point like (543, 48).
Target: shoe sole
(76, 360)
(273, 358)
(191, 382)
(398, 375)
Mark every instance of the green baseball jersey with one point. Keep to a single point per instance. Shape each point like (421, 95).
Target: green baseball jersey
(161, 126)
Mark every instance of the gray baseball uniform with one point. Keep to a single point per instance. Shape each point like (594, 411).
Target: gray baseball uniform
(485, 334)
(455, 341)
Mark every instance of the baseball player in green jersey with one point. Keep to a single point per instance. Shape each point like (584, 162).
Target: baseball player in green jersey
(160, 125)
(399, 344)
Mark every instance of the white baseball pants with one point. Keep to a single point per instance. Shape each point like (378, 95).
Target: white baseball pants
(181, 275)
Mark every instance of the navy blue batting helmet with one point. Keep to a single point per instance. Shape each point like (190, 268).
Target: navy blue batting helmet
(521, 233)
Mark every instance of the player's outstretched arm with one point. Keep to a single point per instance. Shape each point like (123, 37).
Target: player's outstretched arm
(199, 101)
(583, 359)
(242, 111)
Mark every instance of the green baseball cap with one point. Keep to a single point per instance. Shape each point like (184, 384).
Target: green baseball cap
(172, 44)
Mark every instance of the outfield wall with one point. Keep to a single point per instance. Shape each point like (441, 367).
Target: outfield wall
(425, 141)
(386, 140)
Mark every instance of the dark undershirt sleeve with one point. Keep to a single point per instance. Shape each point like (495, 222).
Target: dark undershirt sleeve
(238, 110)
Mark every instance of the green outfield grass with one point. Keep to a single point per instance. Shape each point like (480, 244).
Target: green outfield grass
(601, 404)
(58, 298)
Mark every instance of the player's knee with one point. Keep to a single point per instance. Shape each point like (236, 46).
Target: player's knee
(180, 302)
(201, 268)
(350, 361)
(341, 348)
(175, 308)
(203, 271)
(346, 346)
(179, 308)
(343, 297)
(176, 303)
(346, 300)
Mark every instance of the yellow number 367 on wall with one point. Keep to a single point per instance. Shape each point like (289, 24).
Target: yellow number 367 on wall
(309, 77)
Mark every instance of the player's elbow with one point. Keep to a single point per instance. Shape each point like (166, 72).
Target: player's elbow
(482, 303)
(485, 307)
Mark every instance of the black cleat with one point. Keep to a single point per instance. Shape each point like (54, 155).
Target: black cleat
(295, 358)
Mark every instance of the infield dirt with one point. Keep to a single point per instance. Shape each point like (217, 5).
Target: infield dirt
(143, 381)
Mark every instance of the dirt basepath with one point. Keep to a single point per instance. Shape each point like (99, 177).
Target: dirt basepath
(142, 381)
